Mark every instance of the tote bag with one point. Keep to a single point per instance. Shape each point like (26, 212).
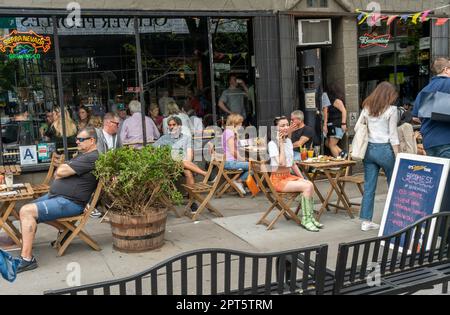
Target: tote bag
(361, 139)
(8, 266)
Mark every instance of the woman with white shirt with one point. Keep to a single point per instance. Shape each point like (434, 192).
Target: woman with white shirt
(384, 144)
(281, 152)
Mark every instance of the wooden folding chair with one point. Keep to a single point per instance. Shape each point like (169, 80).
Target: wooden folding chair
(74, 226)
(228, 184)
(358, 180)
(280, 201)
(197, 190)
(44, 187)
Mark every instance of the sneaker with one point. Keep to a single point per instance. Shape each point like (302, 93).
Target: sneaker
(240, 187)
(369, 226)
(95, 214)
(26, 265)
(194, 207)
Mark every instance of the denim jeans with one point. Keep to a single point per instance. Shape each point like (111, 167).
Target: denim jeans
(237, 165)
(442, 151)
(51, 208)
(377, 156)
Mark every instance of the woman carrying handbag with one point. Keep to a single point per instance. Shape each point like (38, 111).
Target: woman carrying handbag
(380, 117)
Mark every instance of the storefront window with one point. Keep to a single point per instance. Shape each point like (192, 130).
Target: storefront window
(176, 66)
(28, 90)
(398, 53)
(232, 56)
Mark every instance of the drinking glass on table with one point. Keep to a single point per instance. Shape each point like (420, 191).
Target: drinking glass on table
(310, 153)
(9, 181)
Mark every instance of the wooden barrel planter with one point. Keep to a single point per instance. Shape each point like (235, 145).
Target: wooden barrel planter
(136, 234)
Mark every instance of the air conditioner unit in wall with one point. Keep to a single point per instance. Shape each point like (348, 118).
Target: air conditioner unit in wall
(314, 32)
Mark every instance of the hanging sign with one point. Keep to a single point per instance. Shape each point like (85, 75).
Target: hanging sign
(24, 45)
(369, 40)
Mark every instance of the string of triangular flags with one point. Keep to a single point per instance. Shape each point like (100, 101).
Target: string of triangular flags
(415, 18)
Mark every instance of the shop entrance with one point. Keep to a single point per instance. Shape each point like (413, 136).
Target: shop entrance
(310, 89)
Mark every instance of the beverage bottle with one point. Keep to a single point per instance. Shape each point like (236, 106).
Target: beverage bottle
(304, 154)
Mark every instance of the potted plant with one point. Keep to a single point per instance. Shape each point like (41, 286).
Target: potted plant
(134, 181)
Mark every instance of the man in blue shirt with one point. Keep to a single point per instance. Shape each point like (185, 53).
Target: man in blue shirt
(436, 134)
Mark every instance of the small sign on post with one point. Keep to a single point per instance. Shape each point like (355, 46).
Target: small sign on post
(353, 116)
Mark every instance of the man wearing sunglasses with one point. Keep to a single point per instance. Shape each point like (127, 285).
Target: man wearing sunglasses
(69, 193)
(108, 138)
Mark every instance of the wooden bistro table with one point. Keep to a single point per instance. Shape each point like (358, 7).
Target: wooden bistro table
(333, 170)
(7, 208)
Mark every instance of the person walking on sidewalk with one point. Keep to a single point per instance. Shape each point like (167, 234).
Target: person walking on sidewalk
(381, 117)
(436, 134)
(281, 152)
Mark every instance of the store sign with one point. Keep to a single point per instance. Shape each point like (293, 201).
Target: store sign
(416, 191)
(28, 155)
(369, 40)
(24, 45)
(121, 25)
(424, 43)
(132, 89)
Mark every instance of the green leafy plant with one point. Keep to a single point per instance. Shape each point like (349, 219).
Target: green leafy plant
(134, 179)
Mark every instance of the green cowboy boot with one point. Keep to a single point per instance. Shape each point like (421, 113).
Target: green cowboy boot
(309, 206)
(307, 222)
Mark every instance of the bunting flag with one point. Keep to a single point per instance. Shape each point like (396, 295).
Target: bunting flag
(415, 17)
(425, 16)
(391, 19)
(373, 17)
(441, 21)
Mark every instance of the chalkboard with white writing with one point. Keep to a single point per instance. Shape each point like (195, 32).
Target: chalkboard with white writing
(416, 191)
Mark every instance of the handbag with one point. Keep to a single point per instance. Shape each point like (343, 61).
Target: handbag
(441, 108)
(361, 138)
(435, 106)
(251, 184)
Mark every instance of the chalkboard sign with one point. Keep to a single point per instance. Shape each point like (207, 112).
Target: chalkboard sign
(416, 191)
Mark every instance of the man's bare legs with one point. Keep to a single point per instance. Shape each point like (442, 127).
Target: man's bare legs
(28, 216)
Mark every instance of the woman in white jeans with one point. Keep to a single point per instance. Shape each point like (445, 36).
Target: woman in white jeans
(384, 144)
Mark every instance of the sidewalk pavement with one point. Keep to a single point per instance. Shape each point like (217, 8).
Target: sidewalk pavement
(236, 230)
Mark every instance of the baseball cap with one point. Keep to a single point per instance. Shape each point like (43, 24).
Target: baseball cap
(121, 106)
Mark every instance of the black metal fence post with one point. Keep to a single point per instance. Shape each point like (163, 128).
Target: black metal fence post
(140, 78)
(60, 85)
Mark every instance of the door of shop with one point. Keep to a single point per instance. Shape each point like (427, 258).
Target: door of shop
(310, 89)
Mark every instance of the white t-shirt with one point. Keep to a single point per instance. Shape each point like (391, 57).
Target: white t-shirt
(109, 140)
(274, 153)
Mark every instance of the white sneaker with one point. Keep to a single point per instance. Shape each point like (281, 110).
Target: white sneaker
(369, 226)
(240, 187)
(95, 214)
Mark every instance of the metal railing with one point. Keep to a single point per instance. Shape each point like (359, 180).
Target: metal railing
(219, 271)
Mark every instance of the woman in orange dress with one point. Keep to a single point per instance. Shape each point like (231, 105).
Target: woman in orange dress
(281, 153)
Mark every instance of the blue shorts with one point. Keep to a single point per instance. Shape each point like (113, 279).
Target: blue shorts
(339, 133)
(52, 208)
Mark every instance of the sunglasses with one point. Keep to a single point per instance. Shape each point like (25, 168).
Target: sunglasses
(80, 140)
(115, 123)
